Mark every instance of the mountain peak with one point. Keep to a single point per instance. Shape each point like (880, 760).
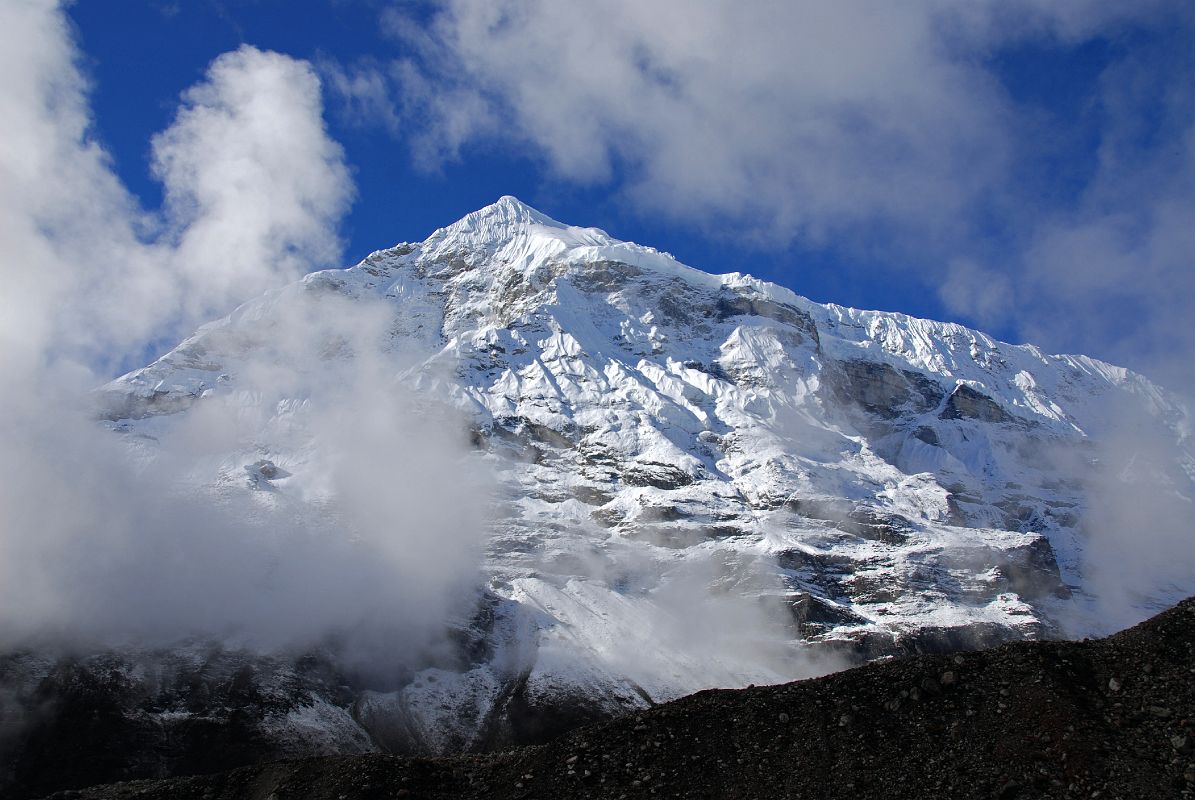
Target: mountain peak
(881, 482)
(513, 206)
(502, 217)
(509, 219)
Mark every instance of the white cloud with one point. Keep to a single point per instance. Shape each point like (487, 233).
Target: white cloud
(255, 188)
(255, 191)
(798, 119)
(94, 545)
(362, 93)
(68, 229)
(1118, 269)
(977, 292)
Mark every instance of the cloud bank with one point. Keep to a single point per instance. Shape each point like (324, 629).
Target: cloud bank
(99, 547)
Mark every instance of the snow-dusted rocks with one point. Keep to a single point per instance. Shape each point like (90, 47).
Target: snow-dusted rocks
(699, 480)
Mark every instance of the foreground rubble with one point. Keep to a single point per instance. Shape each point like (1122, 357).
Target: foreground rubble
(1114, 716)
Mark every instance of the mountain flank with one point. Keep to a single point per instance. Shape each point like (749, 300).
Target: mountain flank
(522, 477)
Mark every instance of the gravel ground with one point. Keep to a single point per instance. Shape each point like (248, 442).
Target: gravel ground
(1105, 718)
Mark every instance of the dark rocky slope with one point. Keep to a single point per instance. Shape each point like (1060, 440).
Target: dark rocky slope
(1035, 719)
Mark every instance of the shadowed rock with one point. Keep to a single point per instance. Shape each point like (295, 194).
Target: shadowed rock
(968, 403)
(1108, 718)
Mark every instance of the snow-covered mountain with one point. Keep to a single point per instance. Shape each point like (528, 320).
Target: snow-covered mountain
(696, 479)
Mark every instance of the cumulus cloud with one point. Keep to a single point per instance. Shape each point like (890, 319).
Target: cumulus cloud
(99, 546)
(255, 190)
(254, 185)
(65, 220)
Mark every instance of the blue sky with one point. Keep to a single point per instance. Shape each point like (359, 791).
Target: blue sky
(1021, 167)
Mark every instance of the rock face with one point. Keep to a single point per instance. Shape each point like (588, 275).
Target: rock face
(1106, 718)
(701, 480)
(77, 721)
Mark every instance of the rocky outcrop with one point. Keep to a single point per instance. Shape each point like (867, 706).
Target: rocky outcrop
(124, 715)
(1106, 718)
(881, 389)
(966, 402)
(732, 305)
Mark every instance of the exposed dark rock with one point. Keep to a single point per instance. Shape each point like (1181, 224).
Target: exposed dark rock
(548, 436)
(939, 640)
(723, 531)
(1020, 514)
(661, 476)
(1034, 572)
(525, 717)
(881, 389)
(654, 513)
(1030, 571)
(732, 305)
(117, 405)
(927, 435)
(1107, 718)
(674, 310)
(113, 717)
(820, 569)
(262, 472)
(876, 526)
(325, 282)
(956, 506)
(830, 510)
(713, 369)
(522, 439)
(862, 521)
(591, 496)
(968, 403)
(604, 276)
(606, 517)
(826, 563)
(448, 264)
(675, 537)
(814, 616)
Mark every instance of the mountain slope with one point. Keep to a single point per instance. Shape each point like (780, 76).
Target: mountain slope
(694, 480)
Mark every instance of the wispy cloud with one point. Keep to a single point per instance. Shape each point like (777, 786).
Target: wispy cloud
(797, 120)
(887, 132)
(362, 94)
